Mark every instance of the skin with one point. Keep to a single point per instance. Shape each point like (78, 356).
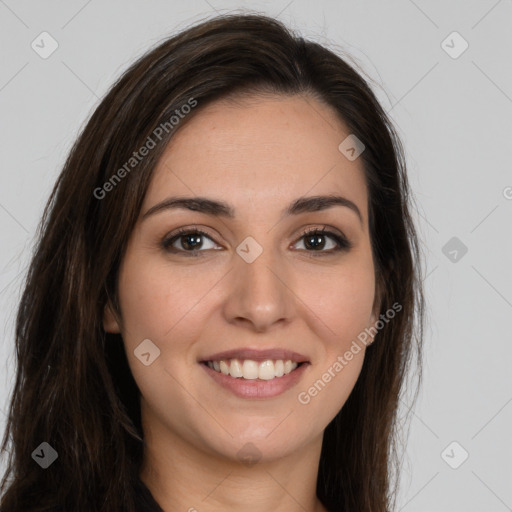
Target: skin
(258, 154)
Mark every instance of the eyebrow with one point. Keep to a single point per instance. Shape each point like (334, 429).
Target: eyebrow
(222, 209)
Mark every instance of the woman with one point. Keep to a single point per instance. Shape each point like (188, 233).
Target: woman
(226, 294)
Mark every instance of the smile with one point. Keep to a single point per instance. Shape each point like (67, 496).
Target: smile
(250, 370)
(249, 384)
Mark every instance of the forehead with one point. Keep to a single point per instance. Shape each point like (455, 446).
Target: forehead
(260, 151)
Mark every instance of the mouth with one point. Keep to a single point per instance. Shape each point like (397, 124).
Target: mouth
(250, 369)
(255, 374)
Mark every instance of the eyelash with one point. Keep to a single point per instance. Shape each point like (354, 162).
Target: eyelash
(343, 243)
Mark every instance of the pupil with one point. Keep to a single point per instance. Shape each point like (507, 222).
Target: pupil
(195, 239)
(312, 241)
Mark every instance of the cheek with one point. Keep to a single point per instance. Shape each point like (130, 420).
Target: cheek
(342, 301)
(159, 304)
(342, 306)
(155, 299)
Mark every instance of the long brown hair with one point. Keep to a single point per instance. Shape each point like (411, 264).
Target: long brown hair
(74, 389)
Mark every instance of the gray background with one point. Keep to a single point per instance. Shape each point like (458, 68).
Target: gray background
(454, 116)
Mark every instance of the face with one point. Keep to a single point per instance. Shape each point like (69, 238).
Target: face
(252, 283)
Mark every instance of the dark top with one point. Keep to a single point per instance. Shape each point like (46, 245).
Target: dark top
(145, 500)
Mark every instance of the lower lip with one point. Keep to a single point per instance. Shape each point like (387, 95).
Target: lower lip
(256, 388)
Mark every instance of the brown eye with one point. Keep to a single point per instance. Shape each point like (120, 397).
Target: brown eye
(190, 240)
(315, 241)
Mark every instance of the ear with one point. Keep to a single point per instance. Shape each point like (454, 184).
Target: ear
(376, 306)
(110, 324)
(374, 315)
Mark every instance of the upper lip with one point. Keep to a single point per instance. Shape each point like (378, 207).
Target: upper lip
(257, 355)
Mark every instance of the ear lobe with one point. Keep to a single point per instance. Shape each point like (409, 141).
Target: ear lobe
(110, 323)
(374, 317)
(375, 311)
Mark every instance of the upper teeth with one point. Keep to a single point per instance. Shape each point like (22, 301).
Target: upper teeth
(249, 369)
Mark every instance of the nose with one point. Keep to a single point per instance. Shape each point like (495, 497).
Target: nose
(260, 292)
